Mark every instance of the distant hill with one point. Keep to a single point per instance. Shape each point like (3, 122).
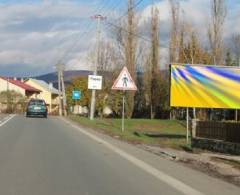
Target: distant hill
(68, 75)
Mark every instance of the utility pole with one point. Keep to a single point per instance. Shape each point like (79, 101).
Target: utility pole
(59, 88)
(61, 91)
(99, 18)
(64, 95)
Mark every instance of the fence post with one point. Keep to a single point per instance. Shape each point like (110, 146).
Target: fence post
(194, 128)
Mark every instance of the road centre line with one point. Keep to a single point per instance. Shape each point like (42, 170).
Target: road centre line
(6, 119)
(178, 185)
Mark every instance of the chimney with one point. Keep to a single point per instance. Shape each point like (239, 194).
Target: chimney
(15, 78)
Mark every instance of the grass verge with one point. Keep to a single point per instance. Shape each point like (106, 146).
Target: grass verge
(164, 133)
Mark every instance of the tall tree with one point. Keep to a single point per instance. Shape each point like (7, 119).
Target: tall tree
(174, 38)
(193, 51)
(236, 43)
(152, 70)
(174, 32)
(130, 52)
(181, 52)
(190, 50)
(154, 61)
(215, 30)
(215, 34)
(78, 83)
(229, 61)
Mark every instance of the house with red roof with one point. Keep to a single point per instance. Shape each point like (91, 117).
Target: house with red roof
(18, 86)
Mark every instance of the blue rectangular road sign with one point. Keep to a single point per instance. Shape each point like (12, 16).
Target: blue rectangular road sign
(76, 95)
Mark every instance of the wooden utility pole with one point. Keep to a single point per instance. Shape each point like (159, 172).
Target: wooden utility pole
(99, 18)
(63, 95)
(61, 91)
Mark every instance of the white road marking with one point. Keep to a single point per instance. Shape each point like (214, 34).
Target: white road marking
(178, 185)
(6, 119)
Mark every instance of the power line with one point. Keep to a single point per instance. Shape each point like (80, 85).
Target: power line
(131, 8)
(110, 7)
(125, 14)
(81, 35)
(88, 25)
(114, 7)
(76, 41)
(125, 30)
(132, 33)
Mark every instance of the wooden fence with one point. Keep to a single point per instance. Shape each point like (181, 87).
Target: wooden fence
(224, 131)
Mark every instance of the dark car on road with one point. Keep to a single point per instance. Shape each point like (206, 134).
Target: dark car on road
(37, 107)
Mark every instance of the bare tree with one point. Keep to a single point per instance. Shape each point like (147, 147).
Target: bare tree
(174, 33)
(215, 31)
(191, 51)
(174, 38)
(151, 73)
(130, 44)
(130, 55)
(125, 46)
(236, 43)
(107, 57)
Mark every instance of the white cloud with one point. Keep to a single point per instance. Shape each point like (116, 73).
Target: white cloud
(13, 56)
(78, 64)
(37, 35)
(194, 12)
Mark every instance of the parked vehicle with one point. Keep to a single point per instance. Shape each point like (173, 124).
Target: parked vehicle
(37, 107)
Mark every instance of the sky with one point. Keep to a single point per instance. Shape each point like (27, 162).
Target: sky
(35, 35)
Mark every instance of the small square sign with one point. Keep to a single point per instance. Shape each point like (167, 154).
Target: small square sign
(94, 82)
(76, 95)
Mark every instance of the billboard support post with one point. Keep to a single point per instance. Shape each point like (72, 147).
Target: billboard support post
(187, 124)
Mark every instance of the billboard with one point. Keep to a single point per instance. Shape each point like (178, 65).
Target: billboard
(204, 86)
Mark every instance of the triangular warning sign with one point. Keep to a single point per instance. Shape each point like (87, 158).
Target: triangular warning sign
(124, 81)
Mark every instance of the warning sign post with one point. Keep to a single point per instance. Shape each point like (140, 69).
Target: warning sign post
(124, 82)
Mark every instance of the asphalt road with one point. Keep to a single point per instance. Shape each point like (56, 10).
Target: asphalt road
(54, 157)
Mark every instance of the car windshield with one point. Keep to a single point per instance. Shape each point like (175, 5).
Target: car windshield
(37, 102)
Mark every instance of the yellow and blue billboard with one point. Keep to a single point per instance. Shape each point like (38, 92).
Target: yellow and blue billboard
(204, 86)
